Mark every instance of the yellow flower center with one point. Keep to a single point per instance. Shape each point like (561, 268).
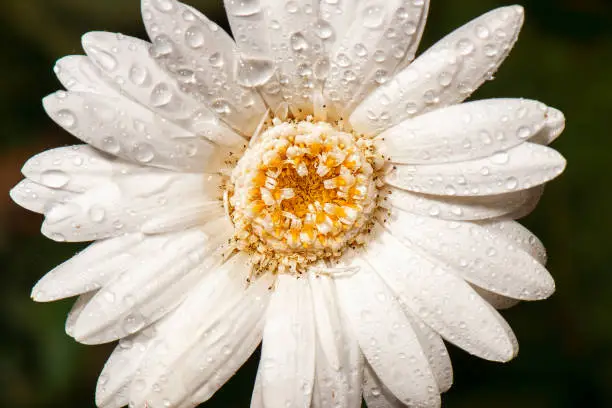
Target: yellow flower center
(303, 192)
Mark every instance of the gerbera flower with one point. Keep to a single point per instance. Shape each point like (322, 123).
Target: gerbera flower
(307, 184)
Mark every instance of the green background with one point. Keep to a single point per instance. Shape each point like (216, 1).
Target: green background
(563, 58)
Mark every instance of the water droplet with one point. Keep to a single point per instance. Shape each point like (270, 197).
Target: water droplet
(523, 132)
(164, 6)
(138, 74)
(66, 119)
(110, 145)
(162, 45)
(245, 8)
(161, 95)
(511, 183)
(133, 323)
(292, 7)
(105, 60)
(465, 46)
(379, 56)
(490, 50)
(450, 190)
(445, 79)
(298, 42)
(482, 32)
(216, 60)
(321, 68)
(254, 72)
(97, 213)
(323, 29)
(194, 37)
(373, 16)
(360, 50)
(221, 106)
(54, 178)
(500, 157)
(144, 152)
(343, 60)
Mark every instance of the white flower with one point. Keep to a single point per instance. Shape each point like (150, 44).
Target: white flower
(308, 184)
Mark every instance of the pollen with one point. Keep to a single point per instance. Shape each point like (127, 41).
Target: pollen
(302, 193)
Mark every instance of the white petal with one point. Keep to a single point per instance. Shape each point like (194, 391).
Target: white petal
(519, 168)
(386, 336)
(205, 340)
(378, 40)
(515, 234)
(113, 388)
(282, 46)
(140, 296)
(202, 57)
(555, 124)
(463, 132)
(445, 74)
(499, 302)
(257, 397)
(477, 255)
(76, 310)
(339, 363)
(38, 198)
(457, 208)
(441, 299)
(127, 130)
(375, 394)
(75, 168)
(533, 198)
(288, 351)
(148, 202)
(126, 63)
(77, 73)
(92, 268)
(435, 350)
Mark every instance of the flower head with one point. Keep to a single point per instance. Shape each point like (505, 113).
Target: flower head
(307, 183)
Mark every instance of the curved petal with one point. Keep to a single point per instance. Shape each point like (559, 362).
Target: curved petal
(440, 298)
(520, 168)
(205, 341)
(386, 335)
(499, 302)
(287, 365)
(77, 73)
(468, 131)
(127, 130)
(115, 380)
(555, 124)
(283, 49)
(378, 39)
(140, 296)
(375, 394)
(339, 364)
(147, 203)
(445, 74)
(126, 63)
(515, 234)
(93, 267)
(533, 198)
(457, 208)
(202, 57)
(479, 256)
(38, 198)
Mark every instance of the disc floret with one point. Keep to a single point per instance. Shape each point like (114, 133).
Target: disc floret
(303, 192)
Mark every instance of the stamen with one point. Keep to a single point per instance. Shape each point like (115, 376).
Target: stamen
(303, 193)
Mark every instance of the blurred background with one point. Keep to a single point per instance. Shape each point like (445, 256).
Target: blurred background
(563, 58)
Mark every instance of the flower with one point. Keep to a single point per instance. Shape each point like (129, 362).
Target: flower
(310, 184)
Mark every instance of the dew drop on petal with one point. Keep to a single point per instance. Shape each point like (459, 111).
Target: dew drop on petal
(373, 16)
(254, 72)
(194, 37)
(244, 8)
(144, 153)
(66, 119)
(138, 74)
(54, 178)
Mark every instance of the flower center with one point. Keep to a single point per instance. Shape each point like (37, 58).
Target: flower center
(303, 192)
